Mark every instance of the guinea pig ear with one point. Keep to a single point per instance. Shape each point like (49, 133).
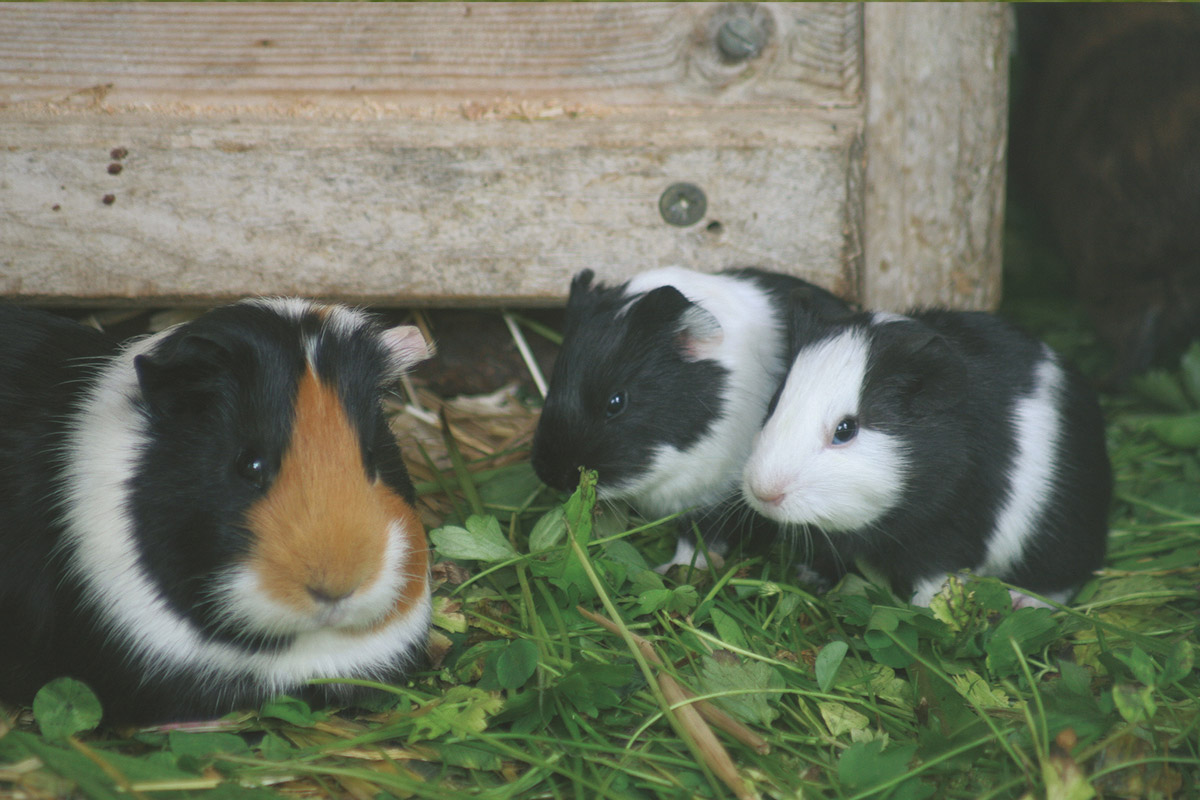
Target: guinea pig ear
(932, 376)
(582, 281)
(581, 288)
(697, 331)
(406, 348)
(699, 334)
(178, 375)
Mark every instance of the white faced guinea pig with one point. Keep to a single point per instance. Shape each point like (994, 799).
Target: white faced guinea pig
(662, 382)
(210, 516)
(935, 442)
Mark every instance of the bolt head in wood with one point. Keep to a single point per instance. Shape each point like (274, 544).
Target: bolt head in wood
(683, 204)
(740, 38)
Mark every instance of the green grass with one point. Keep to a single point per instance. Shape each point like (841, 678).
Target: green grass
(857, 694)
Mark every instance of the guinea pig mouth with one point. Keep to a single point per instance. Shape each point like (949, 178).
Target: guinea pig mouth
(247, 608)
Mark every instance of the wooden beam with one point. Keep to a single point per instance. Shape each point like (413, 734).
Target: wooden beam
(936, 136)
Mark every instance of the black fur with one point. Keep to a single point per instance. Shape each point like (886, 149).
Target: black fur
(669, 400)
(45, 363)
(946, 383)
(212, 391)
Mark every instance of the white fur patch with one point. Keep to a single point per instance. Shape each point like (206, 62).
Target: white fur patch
(248, 606)
(749, 347)
(1037, 429)
(886, 317)
(100, 453)
(810, 480)
(341, 320)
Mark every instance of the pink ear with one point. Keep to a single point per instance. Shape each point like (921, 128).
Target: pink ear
(406, 347)
(699, 334)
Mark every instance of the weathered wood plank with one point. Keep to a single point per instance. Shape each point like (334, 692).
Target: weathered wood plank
(936, 135)
(406, 211)
(470, 153)
(422, 56)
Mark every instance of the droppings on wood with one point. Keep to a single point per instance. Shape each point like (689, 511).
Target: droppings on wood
(108, 199)
(118, 153)
(114, 168)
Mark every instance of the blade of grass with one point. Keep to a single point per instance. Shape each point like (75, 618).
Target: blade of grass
(640, 658)
(465, 481)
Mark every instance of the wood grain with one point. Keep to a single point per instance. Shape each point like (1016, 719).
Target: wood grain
(386, 213)
(936, 136)
(481, 153)
(417, 56)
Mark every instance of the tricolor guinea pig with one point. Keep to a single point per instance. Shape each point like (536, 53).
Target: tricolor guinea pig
(209, 516)
(662, 382)
(936, 442)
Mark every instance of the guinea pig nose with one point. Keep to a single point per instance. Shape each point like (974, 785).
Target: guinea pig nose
(327, 596)
(769, 497)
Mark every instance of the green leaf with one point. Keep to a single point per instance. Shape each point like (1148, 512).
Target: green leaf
(888, 652)
(1075, 679)
(480, 540)
(276, 748)
(579, 510)
(883, 619)
(463, 710)
(623, 553)
(516, 664)
(728, 628)
(1030, 628)
(653, 600)
(841, 719)
(293, 710)
(1161, 388)
(1181, 431)
(754, 687)
(828, 661)
(467, 756)
(974, 688)
(590, 687)
(203, 746)
(1180, 663)
(646, 581)
(953, 604)
(1140, 665)
(683, 599)
(65, 707)
(549, 530)
(865, 764)
(1135, 703)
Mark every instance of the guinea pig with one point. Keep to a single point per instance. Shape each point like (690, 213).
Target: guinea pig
(208, 516)
(661, 384)
(936, 442)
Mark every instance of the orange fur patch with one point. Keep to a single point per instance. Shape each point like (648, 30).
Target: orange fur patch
(323, 525)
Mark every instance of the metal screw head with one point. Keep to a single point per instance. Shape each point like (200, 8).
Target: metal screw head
(683, 204)
(740, 38)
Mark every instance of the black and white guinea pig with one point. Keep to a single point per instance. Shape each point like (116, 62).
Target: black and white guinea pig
(210, 516)
(935, 442)
(662, 382)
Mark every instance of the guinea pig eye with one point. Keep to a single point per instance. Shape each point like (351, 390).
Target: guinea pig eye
(846, 430)
(252, 469)
(615, 405)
